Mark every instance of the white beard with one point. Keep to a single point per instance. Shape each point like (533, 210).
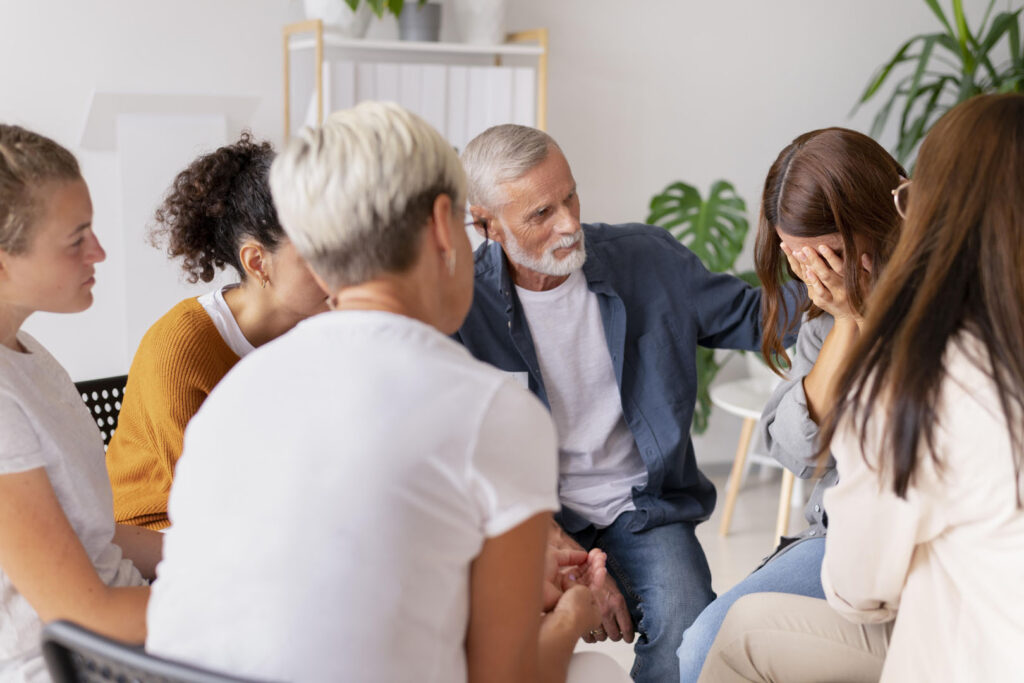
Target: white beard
(548, 263)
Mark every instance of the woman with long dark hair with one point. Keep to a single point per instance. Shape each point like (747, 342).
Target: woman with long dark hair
(924, 565)
(827, 217)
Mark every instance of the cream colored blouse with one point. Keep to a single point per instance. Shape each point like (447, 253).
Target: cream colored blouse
(947, 563)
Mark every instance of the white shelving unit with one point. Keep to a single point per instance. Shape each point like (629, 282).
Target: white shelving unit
(311, 36)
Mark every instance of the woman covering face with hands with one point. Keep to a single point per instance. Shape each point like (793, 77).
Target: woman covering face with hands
(828, 219)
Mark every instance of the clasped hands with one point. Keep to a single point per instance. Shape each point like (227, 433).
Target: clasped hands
(577, 580)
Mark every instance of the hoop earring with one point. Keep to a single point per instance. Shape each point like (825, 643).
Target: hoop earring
(450, 262)
(263, 282)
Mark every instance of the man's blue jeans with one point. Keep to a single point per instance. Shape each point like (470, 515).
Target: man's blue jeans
(665, 579)
(796, 571)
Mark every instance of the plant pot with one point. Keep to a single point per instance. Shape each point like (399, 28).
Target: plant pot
(480, 22)
(420, 22)
(337, 15)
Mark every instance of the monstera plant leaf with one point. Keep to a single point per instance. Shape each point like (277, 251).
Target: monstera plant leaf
(712, 228)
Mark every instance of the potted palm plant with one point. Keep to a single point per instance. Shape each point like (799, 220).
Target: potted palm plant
(935, 71)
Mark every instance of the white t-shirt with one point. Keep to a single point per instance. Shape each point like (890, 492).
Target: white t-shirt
(599, 463)
(45, 423)
(224, 320)
(332, 493)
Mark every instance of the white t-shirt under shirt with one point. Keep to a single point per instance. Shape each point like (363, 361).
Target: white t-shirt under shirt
(224, 320)
(332, 494)
(45, 423)
(599, 463)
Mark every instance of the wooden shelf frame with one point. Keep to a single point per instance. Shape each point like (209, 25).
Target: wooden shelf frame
(295, 37)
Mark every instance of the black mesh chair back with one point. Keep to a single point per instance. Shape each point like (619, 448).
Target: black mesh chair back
(103, 398)
(76, 655)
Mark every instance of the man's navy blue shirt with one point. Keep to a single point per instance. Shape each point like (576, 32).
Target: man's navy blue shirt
(657, 302)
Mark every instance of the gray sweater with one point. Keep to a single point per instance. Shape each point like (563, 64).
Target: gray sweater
(787, 429)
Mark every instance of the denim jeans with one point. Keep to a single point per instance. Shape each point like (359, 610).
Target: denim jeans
(796, 571)
(665, 579)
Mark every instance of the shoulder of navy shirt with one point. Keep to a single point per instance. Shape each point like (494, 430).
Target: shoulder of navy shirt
(658, 303)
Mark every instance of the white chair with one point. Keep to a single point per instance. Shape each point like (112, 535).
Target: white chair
(747, 398)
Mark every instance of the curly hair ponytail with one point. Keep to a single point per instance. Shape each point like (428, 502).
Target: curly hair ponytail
(221, 198)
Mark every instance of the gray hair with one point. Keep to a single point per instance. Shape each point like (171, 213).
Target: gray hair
(499, 155)
(27, 161)
(354, 194)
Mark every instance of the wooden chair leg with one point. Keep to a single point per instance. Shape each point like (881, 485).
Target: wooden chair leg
(737, 474)
(785, 504)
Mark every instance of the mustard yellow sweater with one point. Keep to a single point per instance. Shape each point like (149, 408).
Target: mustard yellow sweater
(179, 361)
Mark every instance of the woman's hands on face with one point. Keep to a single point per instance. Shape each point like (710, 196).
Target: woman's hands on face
(822, 272)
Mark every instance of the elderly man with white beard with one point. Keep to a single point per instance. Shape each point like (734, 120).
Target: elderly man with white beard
(602, 323)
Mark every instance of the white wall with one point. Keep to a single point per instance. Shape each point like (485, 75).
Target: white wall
(641, 94)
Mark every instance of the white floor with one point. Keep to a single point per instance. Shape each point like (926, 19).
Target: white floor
(732, 557)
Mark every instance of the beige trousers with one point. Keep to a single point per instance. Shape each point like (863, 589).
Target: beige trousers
(781, 638)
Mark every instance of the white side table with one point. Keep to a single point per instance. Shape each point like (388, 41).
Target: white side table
(747, 398)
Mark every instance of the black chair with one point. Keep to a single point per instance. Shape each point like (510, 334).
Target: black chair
(76, 655)
(103, 398)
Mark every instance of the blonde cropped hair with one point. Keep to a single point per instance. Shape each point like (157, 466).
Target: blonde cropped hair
(354, 194)
(27, 162)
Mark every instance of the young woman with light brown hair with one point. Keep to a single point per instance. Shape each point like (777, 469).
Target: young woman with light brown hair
(926, 524)
(61, 555)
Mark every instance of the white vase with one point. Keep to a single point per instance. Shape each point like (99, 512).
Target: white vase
(480, 22)
(337, 15)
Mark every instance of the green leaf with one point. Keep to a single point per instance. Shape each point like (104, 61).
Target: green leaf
(915, 84)
(963, 34)
(713, 229)
(931, 111)
(984, 19)
(879, 78)
(882, 117)
(352, 4)
(938, 12)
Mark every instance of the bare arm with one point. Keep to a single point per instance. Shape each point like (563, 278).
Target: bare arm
(144, 547)
(505, 605)
(575, 614)
(46, 562)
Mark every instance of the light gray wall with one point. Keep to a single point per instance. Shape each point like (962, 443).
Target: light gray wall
(641, 93)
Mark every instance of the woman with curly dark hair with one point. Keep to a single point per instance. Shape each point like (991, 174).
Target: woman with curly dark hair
(218, 213)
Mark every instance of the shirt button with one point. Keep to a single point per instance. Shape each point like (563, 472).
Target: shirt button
(817, 508)
(510, 324)
(812, 532)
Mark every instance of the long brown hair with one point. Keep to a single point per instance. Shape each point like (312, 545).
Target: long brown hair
(959, 266)
(827, 181)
